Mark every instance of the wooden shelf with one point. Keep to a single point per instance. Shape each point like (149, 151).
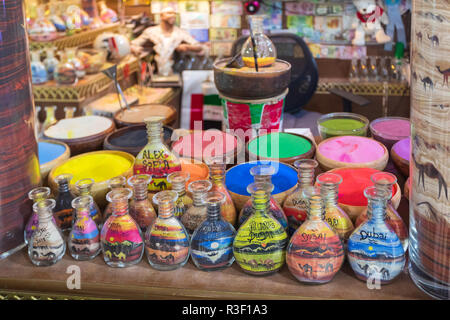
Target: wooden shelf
(374, 88)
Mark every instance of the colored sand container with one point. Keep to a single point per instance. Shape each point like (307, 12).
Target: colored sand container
(49, 151)
(352, 149)
(279, 145)
(403, 148)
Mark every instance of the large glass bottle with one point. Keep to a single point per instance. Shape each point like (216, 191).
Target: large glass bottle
(178, 181)
(217, 166)
(46, 245)
(315, 253)
(295, 206)
(167, 241)
(141, 209)
(196, 213)
(121, 237)
(84, 238)
(263, 173)
(84, 187)
(114, 183)
(212, 241)
(260, 243)
(374, 249)
(386, 181)
(63, 210)
(335, 216)
(156, 159)
(37, 194)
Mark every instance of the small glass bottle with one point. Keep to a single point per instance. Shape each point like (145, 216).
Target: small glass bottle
(167, 241)
(264, 173)
(65, 72)
(37, 194)
(196, 213)
(212, 241)
(50, 62)
(63, 210)
(217, 166)
(374, 249)
(295, 206)
(155, 158)
(50, 118)
(141, 209)
(69, 112)
(38, 71)
(335, 216)
(386, 181)
(178, 181)
(84, 238)
(114, 183)
(121, 237)
(71, 54)
(84, 187)
(46, 245)
(260, 243)
(315, 253)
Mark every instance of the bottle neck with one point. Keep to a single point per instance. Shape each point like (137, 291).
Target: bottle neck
(260, 201)
(316, 209)
(329, 195)
(166, 210)
(84, 191)
(214, 210)
(140, 191)
(63, 187)
(199, 198)
(376, 209)
(256, 25)
(217, 174)
(120, 207)
(179, 188)
(385, 187)
(305, 177)
(154, 130)
(82, 212)
(44, 215)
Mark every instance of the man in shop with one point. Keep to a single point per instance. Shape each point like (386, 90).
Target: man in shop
(166, 39)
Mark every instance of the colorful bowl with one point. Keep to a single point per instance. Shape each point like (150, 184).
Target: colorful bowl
(389, 130)
(351, 151)
(136, 114)
(342, 124)
(98, 165)
(197, 170)
(400, 154)
(51, 154)
(239, 177)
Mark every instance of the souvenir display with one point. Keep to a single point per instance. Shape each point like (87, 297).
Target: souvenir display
(72, 18)
(42, 28)
(63, 211)
(55, 16)
(38, 70)
(178, 181)
(36, 195)
(140, 207)
(196, 213)
(84, 187)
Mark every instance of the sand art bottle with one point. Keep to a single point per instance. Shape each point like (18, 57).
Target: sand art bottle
(386, 181)
(141, 209)
(178, 181)
(114, 183)
(212, 241)
(334, 215)
(37, 194)
(260, 243)
(217, 166)
(315, 253)
(121, 237)
(167, 241)
(374, 249)
(295, 206)
(46, 245)
(63, 210)
(84, 238)
(84, 187)
(196, 213)
(264, 173)
(155, 158)
(50, 118)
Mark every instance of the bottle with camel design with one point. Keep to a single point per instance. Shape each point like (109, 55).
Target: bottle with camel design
(263, 173)
(114, 183)
(386, 181)
(121, 238)
(196, 213)
(36, 195)
(155, 158)
(46, 246)
(84, 238)
(84, 187)
(63, 211)
(374, 250)
(167, 241)
(178, 181)
(141, 209)
(212, 241)
(294, 205)
(315, 252)
(260, 243)
(217, 166)
(335, 216)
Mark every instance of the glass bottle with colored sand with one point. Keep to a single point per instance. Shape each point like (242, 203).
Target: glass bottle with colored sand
(84, 238)
(141, 209)
(217, 166)
(260, 243)
(114, 183)
(315, 253)
(196, 213)
(46, 245)
(156, 159)
(335, 216)
(50, 118)
(63, 211)
(167, 241)
(212, 241)
(374, 249)
(295, 204)
(264, 173)
(265, 51)
(386, 181)
(37, 194)
(178, 181)
(121, 237)
(84, 187)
